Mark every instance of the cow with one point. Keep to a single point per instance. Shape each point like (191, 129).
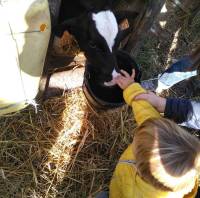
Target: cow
(96, 29)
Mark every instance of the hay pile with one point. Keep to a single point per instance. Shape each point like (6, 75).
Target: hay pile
(65, 150)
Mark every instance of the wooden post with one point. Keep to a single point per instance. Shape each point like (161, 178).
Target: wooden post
(147, 16)
(54, 7)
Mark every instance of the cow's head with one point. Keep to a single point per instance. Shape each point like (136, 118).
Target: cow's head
(98, 36)
(103, 32)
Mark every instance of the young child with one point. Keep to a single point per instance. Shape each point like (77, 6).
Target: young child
(162, 162)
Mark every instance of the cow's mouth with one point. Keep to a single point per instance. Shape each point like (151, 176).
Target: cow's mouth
(110, 83)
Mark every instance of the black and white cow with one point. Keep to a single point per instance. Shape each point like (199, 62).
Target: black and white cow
(96, 30)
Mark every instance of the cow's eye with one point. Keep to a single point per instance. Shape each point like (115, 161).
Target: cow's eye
(92, 44)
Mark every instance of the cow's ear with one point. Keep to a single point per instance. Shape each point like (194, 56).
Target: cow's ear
(121, 35)
(70, 25)
(125, 14)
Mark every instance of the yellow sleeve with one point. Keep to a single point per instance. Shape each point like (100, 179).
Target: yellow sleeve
(115, 188)
(123, 183)
(142, 109)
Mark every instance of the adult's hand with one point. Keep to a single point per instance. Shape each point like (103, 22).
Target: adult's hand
(156, 101)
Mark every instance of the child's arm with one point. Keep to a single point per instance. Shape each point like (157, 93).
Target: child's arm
(142, 109)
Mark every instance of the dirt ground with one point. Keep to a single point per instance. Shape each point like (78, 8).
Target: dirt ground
(67, 149)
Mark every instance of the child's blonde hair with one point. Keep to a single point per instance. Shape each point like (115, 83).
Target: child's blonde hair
(167, 156)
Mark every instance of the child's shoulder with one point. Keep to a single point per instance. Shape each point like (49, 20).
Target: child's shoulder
(128, 154)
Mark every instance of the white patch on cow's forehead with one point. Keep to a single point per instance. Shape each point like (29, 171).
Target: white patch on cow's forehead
(106, 25)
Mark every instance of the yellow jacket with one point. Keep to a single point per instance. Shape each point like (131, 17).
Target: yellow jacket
(125, 182)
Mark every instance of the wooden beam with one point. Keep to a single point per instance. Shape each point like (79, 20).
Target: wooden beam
(63, 81)
(146, 19)
(61, 73)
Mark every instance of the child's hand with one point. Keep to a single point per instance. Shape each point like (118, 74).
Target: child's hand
(125, 80)
(156, 101)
